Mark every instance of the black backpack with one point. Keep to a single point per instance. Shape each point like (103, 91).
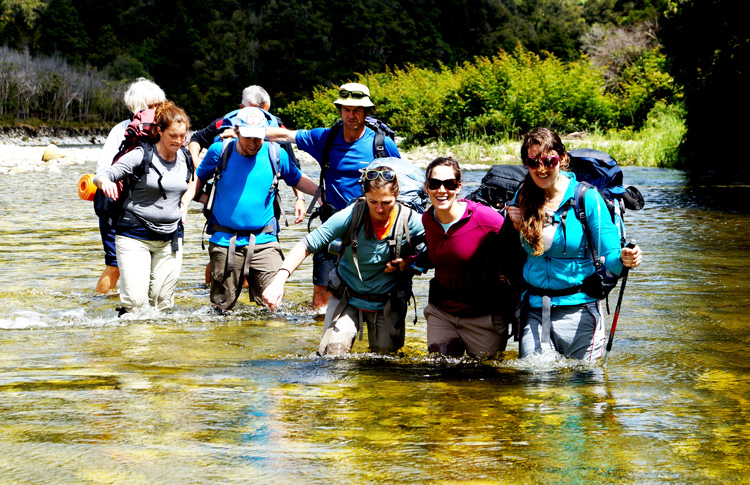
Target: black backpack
(499, 186)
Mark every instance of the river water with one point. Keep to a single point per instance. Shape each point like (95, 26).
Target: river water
(189, 397)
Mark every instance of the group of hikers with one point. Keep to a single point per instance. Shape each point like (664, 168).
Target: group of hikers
(369, 244)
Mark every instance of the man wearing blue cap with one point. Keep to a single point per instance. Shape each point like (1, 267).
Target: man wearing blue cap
(352, 148)
(241, 207)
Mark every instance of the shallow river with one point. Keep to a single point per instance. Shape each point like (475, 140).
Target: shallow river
(189, 397)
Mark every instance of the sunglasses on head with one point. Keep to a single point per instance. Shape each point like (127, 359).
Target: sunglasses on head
(387, 175)
(345, 93)
(449, 184)
(550, 162)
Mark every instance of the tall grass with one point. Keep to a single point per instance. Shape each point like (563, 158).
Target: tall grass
(653, 146)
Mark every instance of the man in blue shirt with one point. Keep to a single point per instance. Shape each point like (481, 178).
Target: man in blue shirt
(243, 243)
(351, 151)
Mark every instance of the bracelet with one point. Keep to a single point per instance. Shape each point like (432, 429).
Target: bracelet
(284, 269)
(301, 198)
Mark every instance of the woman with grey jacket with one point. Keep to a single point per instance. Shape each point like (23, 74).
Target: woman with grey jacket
(148, 236)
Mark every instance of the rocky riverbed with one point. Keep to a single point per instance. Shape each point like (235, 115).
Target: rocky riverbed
(53, 150)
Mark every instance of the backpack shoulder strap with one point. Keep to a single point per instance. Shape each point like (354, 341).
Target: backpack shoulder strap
(274, 156)
(143, 169)
(352, 233)
(401, 230)
(378, 144)
(189, 161)
(226, 150)
(580, 210)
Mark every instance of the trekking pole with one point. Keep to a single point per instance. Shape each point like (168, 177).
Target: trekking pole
(625, 271)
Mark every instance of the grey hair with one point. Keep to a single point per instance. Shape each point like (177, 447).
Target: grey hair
(142, 94)
(255, 96)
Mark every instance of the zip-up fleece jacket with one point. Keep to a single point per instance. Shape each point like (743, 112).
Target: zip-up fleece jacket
(567, 262)
(466, 258)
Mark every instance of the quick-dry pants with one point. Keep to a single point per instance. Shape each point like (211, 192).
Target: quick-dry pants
(575, 331)
(149, 271)
(450, 335)
(263, 265)
(339, 338)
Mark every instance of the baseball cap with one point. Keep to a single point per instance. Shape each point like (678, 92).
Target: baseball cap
(251, 123)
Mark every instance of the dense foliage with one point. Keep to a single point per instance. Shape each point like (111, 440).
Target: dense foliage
(501, 96)
(203, 52)
(708, 43)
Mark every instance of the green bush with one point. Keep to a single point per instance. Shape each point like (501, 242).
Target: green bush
(490, 98)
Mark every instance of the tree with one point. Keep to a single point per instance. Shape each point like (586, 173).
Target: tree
(61, 31)
(709, 46)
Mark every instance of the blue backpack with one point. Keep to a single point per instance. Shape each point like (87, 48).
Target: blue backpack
(596, 169)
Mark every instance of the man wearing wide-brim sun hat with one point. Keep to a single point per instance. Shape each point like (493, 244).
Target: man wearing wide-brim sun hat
(351, 147)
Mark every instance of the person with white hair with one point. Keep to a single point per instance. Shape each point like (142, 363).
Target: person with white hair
(141, 94)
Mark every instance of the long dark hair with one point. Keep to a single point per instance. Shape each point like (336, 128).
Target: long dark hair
(443, 161)
(378, 184)
(531, 197)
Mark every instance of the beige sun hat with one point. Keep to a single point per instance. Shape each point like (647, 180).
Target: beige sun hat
(354, 94)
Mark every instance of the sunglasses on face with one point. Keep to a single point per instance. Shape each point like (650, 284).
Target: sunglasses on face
(550, 162)
(345, 93)
(449, 184)
(387, 175)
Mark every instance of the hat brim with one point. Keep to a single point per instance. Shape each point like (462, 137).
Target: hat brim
(252, 132)
(364, 102)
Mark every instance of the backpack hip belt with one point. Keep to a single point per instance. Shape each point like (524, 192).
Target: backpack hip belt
(590, 286)
(229, 264)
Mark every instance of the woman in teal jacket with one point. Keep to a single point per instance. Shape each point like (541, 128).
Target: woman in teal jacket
(365, 286)
(558, 314)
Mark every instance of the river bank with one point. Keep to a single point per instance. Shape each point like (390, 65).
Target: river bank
(24, 151)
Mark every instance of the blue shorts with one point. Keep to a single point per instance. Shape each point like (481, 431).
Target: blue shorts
(323, 264)
(108, 242)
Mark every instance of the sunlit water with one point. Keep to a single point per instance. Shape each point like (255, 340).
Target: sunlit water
(190, 397)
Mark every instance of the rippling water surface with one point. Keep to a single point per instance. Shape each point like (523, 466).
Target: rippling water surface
(190, 397)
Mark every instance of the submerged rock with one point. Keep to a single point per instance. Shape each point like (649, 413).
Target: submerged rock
(52, 152)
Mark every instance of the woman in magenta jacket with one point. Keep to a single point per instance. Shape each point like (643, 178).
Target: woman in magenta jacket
(463, 239)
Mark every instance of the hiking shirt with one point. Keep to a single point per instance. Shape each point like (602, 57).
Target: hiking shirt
(145, 198)
(244, 200)
(567, 262)
(342, 179)
(112, 145)
(372, 255)
(465, 257)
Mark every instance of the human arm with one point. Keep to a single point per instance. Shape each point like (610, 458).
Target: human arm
(514, 214)
(299, 205)
(111, 146)
(606, 236)
(281, 135)
(107, 179)
(417, 244)
(273, 295)
(187, 197)
(200, 196)
(631, 258)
